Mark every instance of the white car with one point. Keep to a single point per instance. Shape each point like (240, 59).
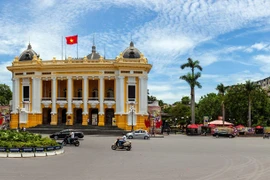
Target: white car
(138, 134)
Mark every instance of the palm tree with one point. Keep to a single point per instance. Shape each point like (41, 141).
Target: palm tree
(250, 87)
(191, 79)
(221, 90)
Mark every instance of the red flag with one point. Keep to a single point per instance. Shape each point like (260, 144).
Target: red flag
(72, 39)
(158, 124)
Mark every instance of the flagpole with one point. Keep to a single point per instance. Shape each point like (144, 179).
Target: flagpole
(62, 47)
(65, 51)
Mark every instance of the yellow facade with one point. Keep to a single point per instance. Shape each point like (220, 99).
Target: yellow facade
(87, 91)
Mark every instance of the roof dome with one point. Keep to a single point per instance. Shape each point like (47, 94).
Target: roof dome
(94, 54)
(131, 52)
(28, 54)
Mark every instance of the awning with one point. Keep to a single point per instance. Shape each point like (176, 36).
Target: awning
(193, 126)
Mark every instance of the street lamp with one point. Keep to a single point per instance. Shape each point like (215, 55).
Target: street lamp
(19, 112)
(132, 110)
(175, 125)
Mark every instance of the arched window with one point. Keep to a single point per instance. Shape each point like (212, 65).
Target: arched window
(79, 92)
(131, 54)
(95, 93)
(110, 93)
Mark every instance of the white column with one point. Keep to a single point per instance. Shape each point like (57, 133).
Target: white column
(121, 94)
(53, 95)
(15, 94)
(38, 95)
(141, 95)
(85, 94)
(117, 99)
(34, 97)
(145, 95)
(101, 95)
(69, 98)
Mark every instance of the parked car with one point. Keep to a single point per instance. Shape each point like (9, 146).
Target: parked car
(138, 134)
(65, 132)
(224, 134)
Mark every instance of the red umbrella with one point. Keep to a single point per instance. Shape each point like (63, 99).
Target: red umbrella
(259, 127)
(239, 126)
(211, 125)
(192, 126)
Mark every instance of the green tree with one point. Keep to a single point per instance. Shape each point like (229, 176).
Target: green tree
(237, 100)
(5, 95)
(192, 80)
(185, 100)
(209, 105)
(221, 91)
(250, 88)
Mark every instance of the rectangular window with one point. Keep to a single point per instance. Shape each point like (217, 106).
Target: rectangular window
(131, 93)
(26, 93)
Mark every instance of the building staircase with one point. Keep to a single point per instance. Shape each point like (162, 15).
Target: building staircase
(87, 130)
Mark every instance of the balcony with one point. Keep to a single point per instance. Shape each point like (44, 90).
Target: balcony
(109, 101)
(61, 101)
(77, 101)
(46, 101)
(93, 101)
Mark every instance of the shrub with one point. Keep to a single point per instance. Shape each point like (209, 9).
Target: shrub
(12, 138)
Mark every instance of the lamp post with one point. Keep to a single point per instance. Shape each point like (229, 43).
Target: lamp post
(132, 109)
(175, 125)
(19, 112)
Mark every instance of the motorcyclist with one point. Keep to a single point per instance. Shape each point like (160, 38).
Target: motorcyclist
(71, 136)
(122, 140)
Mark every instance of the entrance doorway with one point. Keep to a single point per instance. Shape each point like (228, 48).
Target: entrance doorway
(93, 119)
(46, 116)
(62, 117)
(109, 115)
(78, 116)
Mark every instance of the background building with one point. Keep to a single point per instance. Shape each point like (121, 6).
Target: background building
(87, 91)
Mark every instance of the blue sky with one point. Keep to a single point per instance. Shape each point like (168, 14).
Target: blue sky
(230, 38)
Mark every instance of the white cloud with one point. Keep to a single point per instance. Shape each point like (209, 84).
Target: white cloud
(177, 28)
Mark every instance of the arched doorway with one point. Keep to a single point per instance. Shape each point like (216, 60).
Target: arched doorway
(109, 115)
(64, 116)
(46, 115)
(61, 115)
(78, 116)
(93, 119)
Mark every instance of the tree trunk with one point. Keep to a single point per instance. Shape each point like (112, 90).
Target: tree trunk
(192, 106)
(249, 111)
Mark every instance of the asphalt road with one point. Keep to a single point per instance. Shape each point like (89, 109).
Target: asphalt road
(173, 157)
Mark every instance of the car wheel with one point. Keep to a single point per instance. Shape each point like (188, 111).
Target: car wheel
(230, 136)
(55, 137)
(146, 137)
(217, 136)
(130, 137)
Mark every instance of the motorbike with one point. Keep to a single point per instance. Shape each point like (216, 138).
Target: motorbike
(126, 145)
(73, 141)
(266, 135)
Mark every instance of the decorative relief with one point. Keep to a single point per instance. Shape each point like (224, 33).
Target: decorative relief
(109, 103)
(119, 58)
(46, 103)
(93, 104)
(62, 103)
(77, 103)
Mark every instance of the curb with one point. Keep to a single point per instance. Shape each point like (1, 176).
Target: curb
(30, 154)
